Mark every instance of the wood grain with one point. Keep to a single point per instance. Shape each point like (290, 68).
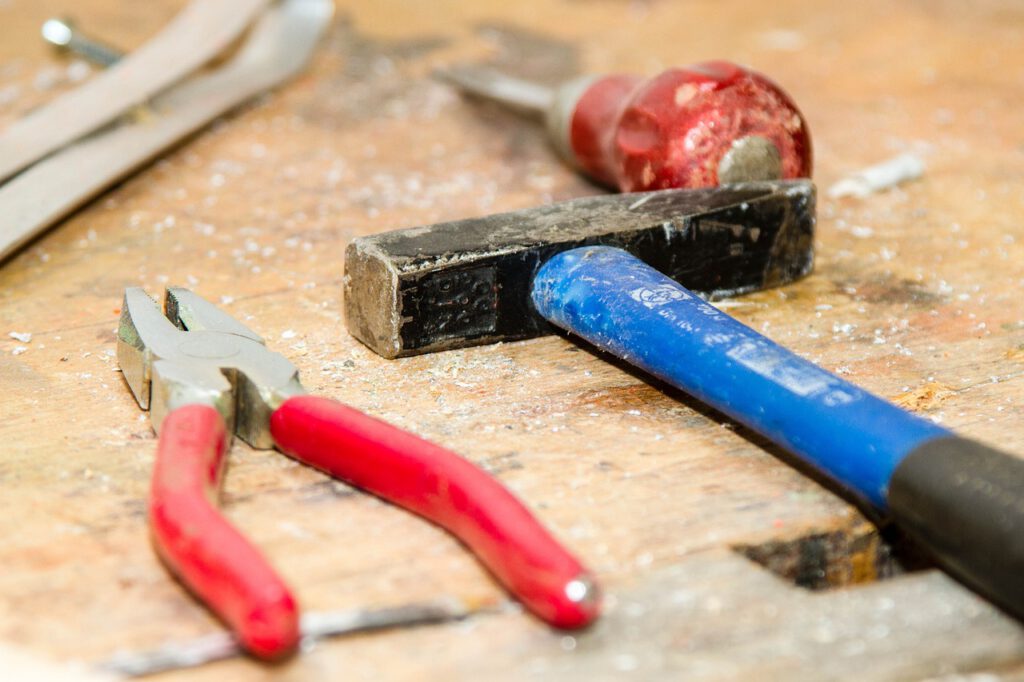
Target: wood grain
(917, 294)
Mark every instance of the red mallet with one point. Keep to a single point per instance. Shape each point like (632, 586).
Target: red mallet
(700, 126)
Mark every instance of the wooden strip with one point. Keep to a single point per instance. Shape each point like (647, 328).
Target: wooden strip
(280, 45)
(195, 36)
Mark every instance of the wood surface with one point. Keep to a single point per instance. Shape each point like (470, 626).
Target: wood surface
(916, 295)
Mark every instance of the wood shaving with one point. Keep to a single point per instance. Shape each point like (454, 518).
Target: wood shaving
(924, 397)
(881, 176)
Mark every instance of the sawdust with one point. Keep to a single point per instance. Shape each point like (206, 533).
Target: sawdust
(925, 397)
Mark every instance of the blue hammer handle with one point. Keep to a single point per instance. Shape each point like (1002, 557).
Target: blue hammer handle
(960, 499)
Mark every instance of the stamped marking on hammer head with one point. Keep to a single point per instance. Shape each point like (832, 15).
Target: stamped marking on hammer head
(468, 282)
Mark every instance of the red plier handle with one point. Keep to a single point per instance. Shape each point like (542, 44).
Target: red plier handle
(224, 570)
(202, 548)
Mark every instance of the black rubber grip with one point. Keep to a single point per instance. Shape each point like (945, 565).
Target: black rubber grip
(964, 502)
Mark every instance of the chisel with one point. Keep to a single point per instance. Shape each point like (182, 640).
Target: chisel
(699, 126)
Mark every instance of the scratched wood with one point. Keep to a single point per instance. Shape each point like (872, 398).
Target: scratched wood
(917, 295)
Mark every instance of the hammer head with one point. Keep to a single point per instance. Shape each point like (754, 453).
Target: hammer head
(468, 282)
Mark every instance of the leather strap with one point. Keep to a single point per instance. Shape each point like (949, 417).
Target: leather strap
(195, 36)
(279, 46)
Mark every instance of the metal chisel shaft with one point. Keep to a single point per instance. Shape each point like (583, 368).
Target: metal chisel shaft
(516, 93)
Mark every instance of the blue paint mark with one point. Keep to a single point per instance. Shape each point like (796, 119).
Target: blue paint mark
(620, 304)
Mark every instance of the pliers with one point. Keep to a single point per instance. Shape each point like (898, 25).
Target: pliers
(204, 376)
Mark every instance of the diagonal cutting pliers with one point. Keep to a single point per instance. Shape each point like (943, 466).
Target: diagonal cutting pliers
(204, 376)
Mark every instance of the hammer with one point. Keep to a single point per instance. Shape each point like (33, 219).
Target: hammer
(623, 272)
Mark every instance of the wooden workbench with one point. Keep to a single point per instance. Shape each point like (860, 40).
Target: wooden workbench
(917, 295)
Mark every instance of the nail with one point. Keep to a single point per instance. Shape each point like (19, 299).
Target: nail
(64, 35)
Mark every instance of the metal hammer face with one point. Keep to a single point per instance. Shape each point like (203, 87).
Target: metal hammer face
(468, 282)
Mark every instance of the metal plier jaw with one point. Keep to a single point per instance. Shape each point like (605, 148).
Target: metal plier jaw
(194, 353)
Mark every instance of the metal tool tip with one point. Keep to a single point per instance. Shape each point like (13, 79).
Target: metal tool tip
(489, 84)
(582, 590)
(57, 32)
